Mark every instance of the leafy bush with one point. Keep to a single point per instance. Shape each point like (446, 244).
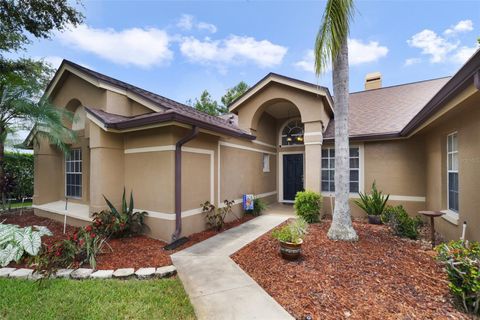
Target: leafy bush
(81, 247)
(308, 205)
(216, 216)
(19, 174)
(115, 223)
(258, 207)
(16, 241)
(400, 222)
(462, 264)
(293, 232)
(374, 203)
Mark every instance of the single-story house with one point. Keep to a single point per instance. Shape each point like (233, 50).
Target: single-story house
(419, 141)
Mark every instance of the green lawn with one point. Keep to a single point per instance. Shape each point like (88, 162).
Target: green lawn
(14, 205)
(94, 299)
(19, 204)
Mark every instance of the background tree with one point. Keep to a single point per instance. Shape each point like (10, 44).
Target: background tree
(36, 17)
(21, 107)
(232, 94)
(22, 81)
(208, 105)
(331, 47)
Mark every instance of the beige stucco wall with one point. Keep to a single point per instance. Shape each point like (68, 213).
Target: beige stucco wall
(397, 166)
(311, 106)
(465, 120)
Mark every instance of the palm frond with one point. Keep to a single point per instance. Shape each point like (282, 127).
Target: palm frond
(333, 31)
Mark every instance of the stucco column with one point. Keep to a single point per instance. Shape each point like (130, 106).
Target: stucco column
(313, 139)
(106, 168)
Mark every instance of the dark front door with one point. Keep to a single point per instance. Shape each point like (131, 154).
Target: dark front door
(292, 175)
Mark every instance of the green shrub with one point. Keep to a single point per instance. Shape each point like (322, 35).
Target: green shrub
(308, 205)
(16, 241)
(258, 207)
(79, 248)
(374, 203)
(216, 216)
(117, 224)
(462, 264)
(400, 222)
(19, 175)
(292, 232)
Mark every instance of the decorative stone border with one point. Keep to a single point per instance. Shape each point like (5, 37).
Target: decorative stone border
(84, 273)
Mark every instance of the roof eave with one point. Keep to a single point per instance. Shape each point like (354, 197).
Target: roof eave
(468, 73)
(168, 117)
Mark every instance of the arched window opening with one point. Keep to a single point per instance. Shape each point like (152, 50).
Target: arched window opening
(292, 133)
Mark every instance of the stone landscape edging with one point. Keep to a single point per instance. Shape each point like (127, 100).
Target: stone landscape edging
(85, 273)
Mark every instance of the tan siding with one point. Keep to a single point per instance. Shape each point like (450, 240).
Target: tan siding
(465, 119)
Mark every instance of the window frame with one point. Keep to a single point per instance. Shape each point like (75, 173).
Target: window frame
(452, 152)
(74, 173)
(360, 170)
(266, 163)
(280, 133)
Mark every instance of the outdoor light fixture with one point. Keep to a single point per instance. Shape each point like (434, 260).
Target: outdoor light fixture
(300, 138)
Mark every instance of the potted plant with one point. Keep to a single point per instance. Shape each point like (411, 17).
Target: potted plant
(291, 238)
(373, 204)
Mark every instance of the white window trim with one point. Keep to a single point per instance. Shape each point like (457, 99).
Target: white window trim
(79, 173)
(266, 162)
(361, 168)
(451, 214)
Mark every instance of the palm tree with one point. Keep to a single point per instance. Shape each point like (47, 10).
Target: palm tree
(331, 48)
(22, 106)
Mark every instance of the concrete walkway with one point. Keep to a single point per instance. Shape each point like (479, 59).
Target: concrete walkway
(217, 287)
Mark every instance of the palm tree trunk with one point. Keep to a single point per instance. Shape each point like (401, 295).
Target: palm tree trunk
(341, 228)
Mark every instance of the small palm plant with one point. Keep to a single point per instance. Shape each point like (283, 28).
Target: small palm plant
(373, 204)
(120, 223)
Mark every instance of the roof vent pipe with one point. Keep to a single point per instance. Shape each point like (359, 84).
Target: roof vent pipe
(178, 181)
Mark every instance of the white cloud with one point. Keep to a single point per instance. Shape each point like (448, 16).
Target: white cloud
(461, 26)
(463, 54)
(412, 61)
(307, 63)
(187, 22)
(234, 49)
(358, 53)
(446, 48)
(207, 26)
(433, 45)
(135, 46)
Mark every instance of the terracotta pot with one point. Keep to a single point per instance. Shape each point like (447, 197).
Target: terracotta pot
(374, 219)
(290, 251)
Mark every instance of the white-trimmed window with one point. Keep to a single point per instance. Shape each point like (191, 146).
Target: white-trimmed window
(73, 174)
(328, 169)
(452, 172)
(292, 133)
(266, 162)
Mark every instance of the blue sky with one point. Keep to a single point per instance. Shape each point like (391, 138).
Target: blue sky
(179, 48)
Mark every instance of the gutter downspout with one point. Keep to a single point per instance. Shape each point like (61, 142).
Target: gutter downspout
(178, 181)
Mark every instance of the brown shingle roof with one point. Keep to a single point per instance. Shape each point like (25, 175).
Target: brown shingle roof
(175, 111)
(386, 111)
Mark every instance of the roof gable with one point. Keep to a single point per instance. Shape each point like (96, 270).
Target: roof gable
(291, 82)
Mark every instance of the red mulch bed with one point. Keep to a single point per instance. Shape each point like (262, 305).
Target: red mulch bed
(379, 277)
(134, 252)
